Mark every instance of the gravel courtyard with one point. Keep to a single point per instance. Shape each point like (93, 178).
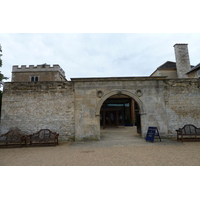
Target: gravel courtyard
(116, 148)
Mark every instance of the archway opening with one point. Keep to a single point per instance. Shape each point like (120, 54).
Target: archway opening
(120, 110)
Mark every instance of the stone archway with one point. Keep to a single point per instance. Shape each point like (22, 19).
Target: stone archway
(122, 92)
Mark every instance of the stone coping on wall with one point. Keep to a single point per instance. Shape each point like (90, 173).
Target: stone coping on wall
(143, 78)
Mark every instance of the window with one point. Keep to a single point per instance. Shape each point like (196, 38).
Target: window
(34, 78)
(198, 74)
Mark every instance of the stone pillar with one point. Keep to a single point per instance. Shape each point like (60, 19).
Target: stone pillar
(182, 60)
(133, 111)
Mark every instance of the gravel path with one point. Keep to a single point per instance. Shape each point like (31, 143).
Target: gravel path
(126, 150)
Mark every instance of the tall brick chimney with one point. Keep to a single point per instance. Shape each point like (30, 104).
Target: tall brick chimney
(182, 60)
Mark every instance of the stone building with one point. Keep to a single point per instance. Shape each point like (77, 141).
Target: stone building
(41, 97)
(181, 68)
(37, 73)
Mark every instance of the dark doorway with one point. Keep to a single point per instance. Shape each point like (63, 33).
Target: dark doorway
(120, 111)
(110, 117)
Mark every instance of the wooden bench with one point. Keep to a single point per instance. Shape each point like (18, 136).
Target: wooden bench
(12, 138)
(43, 137)
(188, 132)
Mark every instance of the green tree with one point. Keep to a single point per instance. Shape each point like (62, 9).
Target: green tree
(2, 77)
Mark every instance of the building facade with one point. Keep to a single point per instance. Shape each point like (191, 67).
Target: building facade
(40, 97)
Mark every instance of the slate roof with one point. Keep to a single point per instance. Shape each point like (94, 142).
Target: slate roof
(194, 68)
(167, 65)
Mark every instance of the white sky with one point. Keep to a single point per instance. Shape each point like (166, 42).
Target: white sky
(96, 55)
(97, 38)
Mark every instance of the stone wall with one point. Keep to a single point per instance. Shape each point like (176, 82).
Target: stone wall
(193, 74)
(167, 72)
(166, 104)
(73, 108)
(42, 76)
(147, 92)
(34, 106)
(43, 72)
(182, 98)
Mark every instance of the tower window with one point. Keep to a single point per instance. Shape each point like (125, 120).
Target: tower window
(34, 78)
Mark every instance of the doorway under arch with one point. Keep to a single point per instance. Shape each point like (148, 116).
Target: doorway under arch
(120, 109)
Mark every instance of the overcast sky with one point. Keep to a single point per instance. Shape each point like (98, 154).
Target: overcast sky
(96, 54)
(93, 38)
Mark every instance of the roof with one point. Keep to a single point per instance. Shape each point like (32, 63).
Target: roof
(194, 68)
(167, 65)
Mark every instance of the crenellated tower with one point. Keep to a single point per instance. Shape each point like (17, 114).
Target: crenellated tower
(37, 73)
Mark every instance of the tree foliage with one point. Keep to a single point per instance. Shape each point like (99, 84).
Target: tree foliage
(1, 75)
(1, 78)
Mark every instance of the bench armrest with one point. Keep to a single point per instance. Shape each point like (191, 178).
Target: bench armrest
(179, 131)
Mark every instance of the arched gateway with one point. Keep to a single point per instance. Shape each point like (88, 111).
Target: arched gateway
(111, 109)
(40, 97)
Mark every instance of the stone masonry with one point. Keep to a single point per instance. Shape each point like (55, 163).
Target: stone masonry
(72, 108)
(32, 106)
(43, 72)
(165, 104)
(182, 60)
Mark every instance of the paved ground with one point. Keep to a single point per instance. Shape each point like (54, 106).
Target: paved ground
(118, 147)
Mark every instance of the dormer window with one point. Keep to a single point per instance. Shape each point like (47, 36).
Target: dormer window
(34, 78)
(198, 74)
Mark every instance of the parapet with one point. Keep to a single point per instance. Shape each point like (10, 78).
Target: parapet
(39, 68)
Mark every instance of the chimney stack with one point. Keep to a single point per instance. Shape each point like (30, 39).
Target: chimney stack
(182, 60)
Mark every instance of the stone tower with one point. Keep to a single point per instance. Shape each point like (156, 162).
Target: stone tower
(37, 73)
(182, 60)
